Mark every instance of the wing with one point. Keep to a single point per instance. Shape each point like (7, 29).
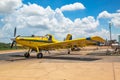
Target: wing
(71, 43)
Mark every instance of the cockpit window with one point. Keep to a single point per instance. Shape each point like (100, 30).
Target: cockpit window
(32, 35)
(49, 37)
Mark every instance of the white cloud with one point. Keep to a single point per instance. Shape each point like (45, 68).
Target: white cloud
(87, 22)
(118, 11)
(103, 32)
(7, 6)
(104, 14)
(34, 19)
(116, 21)
(113, 17)
(72, 7)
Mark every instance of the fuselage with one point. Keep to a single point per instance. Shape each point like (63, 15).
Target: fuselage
(35, 41)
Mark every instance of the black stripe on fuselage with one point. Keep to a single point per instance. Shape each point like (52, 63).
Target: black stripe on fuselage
(37, 41)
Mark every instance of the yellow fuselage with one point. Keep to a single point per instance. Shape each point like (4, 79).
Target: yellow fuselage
(34, 42)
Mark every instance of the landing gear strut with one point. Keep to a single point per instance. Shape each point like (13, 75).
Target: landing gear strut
(27, 55)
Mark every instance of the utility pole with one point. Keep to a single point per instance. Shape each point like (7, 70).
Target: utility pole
(110, 24)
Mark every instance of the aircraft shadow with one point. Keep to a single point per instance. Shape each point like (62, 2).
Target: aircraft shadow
(71, 58)
(102, 53)
(15, 59)
(57, 57)
(16, 55)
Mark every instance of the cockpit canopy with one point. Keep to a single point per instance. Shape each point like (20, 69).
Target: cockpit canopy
(48, 36)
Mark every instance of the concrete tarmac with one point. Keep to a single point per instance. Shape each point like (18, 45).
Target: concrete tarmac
(79, 65)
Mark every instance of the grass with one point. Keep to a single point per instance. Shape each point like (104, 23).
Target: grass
(6, 46)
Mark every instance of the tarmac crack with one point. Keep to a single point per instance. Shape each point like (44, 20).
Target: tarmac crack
(113, 71)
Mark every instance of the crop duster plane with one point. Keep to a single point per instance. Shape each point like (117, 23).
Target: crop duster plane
(48, 42)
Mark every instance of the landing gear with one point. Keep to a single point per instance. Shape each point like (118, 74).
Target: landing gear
(39, 55)
(27, 55)
(68, 51)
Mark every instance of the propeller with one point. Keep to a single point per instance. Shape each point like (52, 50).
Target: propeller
(15, 32)
(13, 39)
(12, 44)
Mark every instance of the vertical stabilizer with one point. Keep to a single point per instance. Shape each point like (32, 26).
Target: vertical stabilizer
(69, 37)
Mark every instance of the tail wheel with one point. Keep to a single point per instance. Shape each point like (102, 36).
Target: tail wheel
(39, 55)
(27, 55)
(68, 52)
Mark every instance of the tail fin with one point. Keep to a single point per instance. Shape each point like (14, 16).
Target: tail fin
(69, 37)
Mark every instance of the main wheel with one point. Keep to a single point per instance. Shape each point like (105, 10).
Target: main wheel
(39, 55)
(68, 52)
(26, 55)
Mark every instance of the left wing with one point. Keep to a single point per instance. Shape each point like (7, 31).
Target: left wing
(71, 43)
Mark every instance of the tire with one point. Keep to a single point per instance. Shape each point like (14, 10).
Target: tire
(39, 55)
(26, 55)
(68, 52)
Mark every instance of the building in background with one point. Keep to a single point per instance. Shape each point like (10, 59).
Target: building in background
(119, 39)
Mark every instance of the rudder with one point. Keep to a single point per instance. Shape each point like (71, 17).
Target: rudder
(69, 37)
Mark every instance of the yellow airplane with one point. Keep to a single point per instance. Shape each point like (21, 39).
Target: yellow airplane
(48, 42)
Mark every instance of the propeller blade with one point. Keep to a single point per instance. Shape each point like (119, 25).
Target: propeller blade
(12, 44)
(15, 32)
(13, 39)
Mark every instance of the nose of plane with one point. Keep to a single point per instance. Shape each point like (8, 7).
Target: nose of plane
(14, 41)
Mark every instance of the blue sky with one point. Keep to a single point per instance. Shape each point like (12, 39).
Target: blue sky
(81, 18)
(93, 7)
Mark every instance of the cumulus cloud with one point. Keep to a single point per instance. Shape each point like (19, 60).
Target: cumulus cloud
(7, 6)
(113, 17)
(72, 7)
(104, 14)
(34, 19)
(118, 11)
(86, 22)
(103, 32)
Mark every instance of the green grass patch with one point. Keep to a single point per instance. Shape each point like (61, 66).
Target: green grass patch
(6, 46)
